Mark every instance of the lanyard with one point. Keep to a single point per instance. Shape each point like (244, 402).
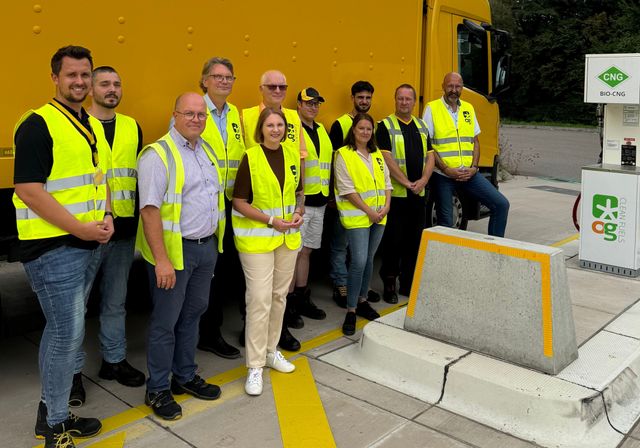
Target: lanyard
(86, 133)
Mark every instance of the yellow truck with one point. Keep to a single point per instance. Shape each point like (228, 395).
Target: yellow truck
(159, 47)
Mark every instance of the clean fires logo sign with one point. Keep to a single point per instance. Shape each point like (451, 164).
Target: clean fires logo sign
(609, 213)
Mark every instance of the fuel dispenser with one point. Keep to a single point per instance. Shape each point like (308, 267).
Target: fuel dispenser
(610, 210)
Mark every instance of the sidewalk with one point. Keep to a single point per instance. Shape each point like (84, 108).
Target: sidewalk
(321, 405)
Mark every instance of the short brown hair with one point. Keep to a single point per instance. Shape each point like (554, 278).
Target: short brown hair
(266, 112)
(209, 64)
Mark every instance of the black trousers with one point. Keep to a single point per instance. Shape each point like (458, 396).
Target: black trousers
(401, 239)
(227, 283)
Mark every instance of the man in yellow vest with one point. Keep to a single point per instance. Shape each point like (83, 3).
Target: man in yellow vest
(454, 131)
(361, 96)
(404, 140)
(179, 236)
(63, 214)
(125, 141)
(317, 173)
(273, 89)
(223, 132)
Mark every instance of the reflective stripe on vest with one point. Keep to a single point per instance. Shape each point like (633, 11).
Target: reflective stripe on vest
(72, 181)
(123, 177)
(453, 145)
(317, 170)
(172, 203)
(370, 188)
(398, 150)
(228, 156)
(250, 121)
(254, 236)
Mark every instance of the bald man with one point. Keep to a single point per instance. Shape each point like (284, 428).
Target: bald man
(454, 129)
(182, 214)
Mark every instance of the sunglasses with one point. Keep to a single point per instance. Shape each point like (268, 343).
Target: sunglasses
(274, 87)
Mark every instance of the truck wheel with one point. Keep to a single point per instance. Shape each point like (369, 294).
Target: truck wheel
(460, 221)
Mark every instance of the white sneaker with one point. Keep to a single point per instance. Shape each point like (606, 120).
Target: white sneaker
(253, 386)
(278, 362)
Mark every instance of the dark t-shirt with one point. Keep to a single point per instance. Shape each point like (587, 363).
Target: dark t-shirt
(243, 189)
(33, 163)
(125, 227)
(412, 146)
(318, 199)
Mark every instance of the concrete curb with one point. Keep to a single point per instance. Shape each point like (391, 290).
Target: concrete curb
(591, 403)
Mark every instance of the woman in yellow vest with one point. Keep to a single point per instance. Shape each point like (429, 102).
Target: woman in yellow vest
(268, 205)
(363, 196)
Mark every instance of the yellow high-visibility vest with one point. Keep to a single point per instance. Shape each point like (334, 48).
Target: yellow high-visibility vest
(317, 170)
(453, 145)
(123, 177)
(228, 157)
(253, 236)
(74, 182)
(398, 150)
(172, 203)
(370, 188)
(345, 121)
(250, 121)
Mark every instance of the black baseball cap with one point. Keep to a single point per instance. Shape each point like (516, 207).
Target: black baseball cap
(310, 94)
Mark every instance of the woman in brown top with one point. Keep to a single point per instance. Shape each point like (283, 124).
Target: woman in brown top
(267, 201)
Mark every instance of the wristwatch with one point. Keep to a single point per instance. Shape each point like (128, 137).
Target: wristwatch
(108, 214)
(270, 223)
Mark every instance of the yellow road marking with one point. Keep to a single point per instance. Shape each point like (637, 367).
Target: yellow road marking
(129, 416)
(486, 246)
(116, 441)
(303, 422)
(566, 240)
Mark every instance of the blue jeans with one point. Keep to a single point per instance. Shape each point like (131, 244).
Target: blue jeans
(114, 260)
(363, 244)
(338, 256)
(59, 279)
(479, 188)
(173, 327)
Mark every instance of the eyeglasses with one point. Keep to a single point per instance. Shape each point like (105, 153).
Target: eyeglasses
(274, 87)
(189, 115)
(312, 104)
(221, 78)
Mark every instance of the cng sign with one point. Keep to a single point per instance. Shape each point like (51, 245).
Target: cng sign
(609, 213)
(613, 76)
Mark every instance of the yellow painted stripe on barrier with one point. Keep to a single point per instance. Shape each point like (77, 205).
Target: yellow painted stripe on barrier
(566, 240)
(487, 246)
(417, 275)
(303, 422)
(141, 411)
(116, 441)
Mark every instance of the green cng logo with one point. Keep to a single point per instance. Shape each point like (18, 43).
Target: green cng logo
(606, 210)
(613, 76)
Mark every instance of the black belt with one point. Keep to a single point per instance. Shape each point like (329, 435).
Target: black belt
(199, 240)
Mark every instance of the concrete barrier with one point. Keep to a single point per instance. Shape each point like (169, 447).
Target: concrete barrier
(505, 298)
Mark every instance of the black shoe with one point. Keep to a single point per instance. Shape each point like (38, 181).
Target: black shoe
(75, 426)
(241, 336)
(364, 309)
(58, 437)
(287, 341)
(218, 346)
(197, 387)
(163, 405)
(292, 318)
(78, 395)
(349, 325)
(389, 294)
(307, 308)
(122, 372)
(340, 295)
(373, 296)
